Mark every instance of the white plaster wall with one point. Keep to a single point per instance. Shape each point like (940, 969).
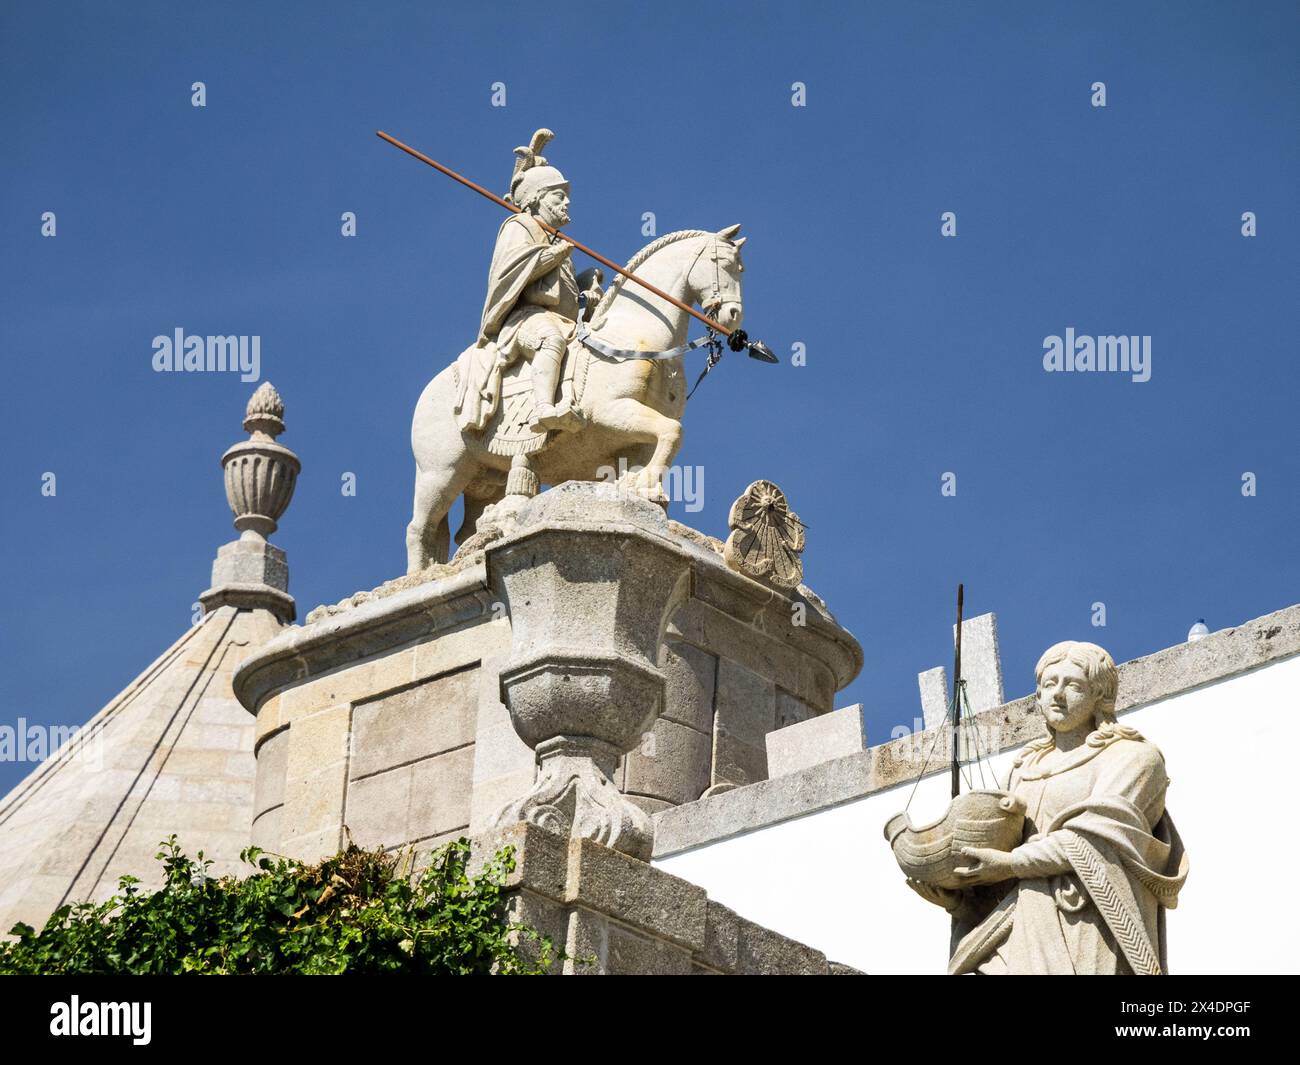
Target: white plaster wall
(829, 879)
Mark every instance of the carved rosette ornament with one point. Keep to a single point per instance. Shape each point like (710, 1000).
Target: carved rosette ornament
(766, 538)
(260, 474)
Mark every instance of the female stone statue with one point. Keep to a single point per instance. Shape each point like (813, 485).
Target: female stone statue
(1100, 861)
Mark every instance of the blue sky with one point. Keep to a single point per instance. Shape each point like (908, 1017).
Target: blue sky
(924, 354)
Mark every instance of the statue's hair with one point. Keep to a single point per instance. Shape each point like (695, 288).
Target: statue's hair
(597, 318)
(1097, 666)
(1099, 669)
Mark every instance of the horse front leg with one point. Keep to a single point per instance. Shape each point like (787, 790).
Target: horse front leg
(638, 424)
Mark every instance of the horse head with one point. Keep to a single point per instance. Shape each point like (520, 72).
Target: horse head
(713, 279)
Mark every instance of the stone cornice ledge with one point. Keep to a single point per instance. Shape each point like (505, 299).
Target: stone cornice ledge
(1142, 681)
(379, 625)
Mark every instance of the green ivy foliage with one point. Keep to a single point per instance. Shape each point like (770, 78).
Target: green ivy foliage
(356, 912)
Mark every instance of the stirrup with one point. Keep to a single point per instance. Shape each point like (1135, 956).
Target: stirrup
(556, 416)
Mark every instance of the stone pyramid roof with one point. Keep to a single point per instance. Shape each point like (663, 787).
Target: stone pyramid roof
(173, 752)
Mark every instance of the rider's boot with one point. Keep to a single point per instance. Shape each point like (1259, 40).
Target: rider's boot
(547, 414)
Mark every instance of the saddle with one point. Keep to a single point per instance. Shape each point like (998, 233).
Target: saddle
(507, 431)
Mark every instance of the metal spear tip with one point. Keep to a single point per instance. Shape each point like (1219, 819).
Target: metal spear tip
(737, 340)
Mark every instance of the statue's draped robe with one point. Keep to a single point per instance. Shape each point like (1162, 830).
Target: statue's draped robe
(523, 280)
(1100, 862)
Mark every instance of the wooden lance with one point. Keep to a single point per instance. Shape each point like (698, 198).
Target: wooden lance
(736, 338)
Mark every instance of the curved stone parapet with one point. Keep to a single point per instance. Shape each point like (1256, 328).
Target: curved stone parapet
(386, 713)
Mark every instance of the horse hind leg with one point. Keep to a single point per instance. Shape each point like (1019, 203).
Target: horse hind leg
(479, 495)
(428, 537)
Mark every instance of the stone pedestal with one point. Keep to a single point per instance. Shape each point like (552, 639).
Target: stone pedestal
(251, 574)
(588, 584)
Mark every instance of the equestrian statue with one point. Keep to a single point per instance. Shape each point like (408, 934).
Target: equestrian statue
(565, 380)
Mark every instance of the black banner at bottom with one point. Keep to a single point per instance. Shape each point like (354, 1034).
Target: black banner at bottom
(140, 1014)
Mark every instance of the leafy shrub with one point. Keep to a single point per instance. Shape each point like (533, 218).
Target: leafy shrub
(356, 912)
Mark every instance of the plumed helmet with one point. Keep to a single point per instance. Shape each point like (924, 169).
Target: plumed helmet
(531, 183)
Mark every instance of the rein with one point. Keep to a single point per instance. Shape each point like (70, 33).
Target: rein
(711, 340)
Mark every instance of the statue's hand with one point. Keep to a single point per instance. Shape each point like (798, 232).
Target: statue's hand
(993, 866)
(939, 896)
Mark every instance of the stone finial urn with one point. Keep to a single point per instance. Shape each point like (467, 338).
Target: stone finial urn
(260, 474)
(589, 582)
(251, 572)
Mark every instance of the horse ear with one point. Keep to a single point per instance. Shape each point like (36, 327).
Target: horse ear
(738, 243)
(729, 232)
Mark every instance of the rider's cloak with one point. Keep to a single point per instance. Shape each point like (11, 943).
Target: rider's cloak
(519, 259)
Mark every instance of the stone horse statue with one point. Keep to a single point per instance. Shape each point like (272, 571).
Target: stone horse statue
(632, 407)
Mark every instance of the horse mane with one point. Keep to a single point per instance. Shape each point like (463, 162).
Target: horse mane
(607, 300)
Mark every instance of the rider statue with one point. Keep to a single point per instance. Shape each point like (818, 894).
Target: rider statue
(532, 308)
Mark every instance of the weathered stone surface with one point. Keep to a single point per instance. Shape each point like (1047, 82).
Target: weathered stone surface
(504, 766)
(981, 669)
(735, 763)
(312, 815)
(318, 741)
(586, 942)
(272, 756)
(440, 789)
(266, 829)
(745, 706)
(250, 562)
(545, 917)
(820, 739)
(790, 710)
(649, 805)
(671, 764)
(981, 661)
(615, 915)
(413, 802)
(318, 653)
(934, 696)
(690, 675)
(498, 749)
(762, 952)
(721, 948)
(633, 954)
(541, 858)
(414, 723)
(746, 703)
(636, 893)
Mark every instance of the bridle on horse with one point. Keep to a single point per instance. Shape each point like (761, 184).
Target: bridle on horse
(711, 340)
